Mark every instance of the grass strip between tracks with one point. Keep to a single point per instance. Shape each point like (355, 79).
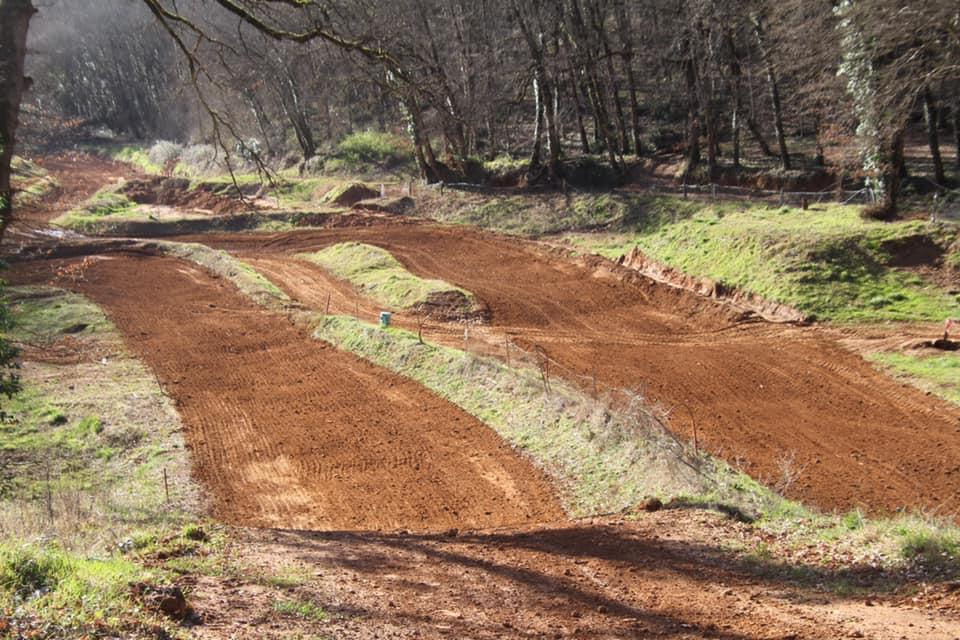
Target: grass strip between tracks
(604, 460)
(380, 276)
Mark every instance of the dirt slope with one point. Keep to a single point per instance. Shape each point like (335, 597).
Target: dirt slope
(791, 405)
(286, 432)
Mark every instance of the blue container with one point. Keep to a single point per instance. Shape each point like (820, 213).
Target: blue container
(385, 319)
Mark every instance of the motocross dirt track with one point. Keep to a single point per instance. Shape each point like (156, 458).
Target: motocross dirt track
(287, 432)
(790, 404)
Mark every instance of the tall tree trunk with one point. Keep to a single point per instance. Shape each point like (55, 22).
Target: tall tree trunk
(736, 92)
(897, 171)
(693, 116)
(582, 43)
(575, 92)
(626, 41)
(774, 88)
(956, 133)
(932, 117)
(536, 153)
(14, 19)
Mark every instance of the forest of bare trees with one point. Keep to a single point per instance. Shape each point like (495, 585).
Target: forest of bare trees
(794, 84)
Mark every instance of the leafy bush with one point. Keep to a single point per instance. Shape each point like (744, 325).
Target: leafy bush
(164, 153)
(370, 150)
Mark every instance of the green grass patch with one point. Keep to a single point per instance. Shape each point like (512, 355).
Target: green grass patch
(138, 157)
(76, 593)
(303, 609)
(52, 312)
(939, 373)
(85, 445)
(380, 276)
(83, 454)
(107, 204)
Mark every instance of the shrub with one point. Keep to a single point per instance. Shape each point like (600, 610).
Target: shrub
(373, 148)
(164, 153)
(200, 159)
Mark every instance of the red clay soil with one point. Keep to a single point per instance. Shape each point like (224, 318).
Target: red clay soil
(791, 405)
(285, 431)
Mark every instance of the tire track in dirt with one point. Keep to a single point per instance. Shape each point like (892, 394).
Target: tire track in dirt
(792, 405)
(288, 432)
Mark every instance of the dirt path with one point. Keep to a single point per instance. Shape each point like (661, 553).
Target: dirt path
(791, 405)
(287, 432)
(79, 176)
(664, 575)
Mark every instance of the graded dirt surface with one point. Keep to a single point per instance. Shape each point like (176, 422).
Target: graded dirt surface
(285, 431)
(669, 574)
(791, 405)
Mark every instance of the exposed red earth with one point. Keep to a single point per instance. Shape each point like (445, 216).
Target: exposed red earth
(426, 525)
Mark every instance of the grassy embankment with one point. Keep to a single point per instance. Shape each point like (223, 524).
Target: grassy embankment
(84, 449)
(31, 181)
(939, 374)
(827, 261)
(376, 274)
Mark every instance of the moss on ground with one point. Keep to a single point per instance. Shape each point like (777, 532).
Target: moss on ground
(380, 276)
(939, 374)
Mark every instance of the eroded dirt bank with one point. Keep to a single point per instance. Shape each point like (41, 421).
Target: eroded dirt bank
(791, 405)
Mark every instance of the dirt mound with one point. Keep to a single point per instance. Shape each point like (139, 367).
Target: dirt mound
(396, 206)
(179, 192)
(349, 195)
(913, 251)
(451, 306)
(287, 432)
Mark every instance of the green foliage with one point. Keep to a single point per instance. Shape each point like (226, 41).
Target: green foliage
(9, 366)
(77, 594)
(378, 275)
(137, 156)
(374, 148)
(931, 547)
(937, 373)
(828, 263)
(303, 609)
